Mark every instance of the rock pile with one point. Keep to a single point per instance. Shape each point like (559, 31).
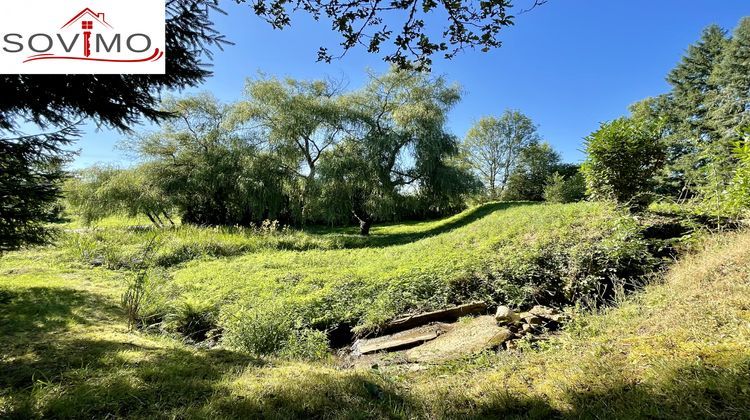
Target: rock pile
(428, 338)
(534, 321)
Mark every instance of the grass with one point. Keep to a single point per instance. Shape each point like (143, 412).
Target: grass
(678, 349)
(515, 253)
(267, 291)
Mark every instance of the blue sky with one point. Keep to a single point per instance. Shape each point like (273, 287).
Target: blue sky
(568, 65)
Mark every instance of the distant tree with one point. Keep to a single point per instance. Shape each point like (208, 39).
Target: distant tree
(363, 23)
(58, 102)
(537, 162)
(622, 158)
(300, 120)
(98, 192)
(560, 189)
(493, 146)
(397, 138)
(212, 168)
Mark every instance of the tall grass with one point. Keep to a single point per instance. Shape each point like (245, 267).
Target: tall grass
(519, 255)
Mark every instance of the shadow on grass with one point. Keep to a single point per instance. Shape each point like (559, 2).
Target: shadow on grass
(379, 240)
(90, 378)
(46, 309)
(697, 391)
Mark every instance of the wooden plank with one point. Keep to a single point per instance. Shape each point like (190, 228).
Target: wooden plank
(443, 315)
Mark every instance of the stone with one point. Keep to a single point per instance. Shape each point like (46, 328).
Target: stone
(416, 367)
(399, 341)
(442, 315)
(466, 338)
(506, 315)
(544, 311)
(534, 320)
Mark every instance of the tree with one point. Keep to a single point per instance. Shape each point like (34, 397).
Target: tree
(729, 111)
(300, 119)
(101, 191)
(396, 147)
(30, 173)
(363, 23)
(350, 187)
(685, 110)
(622, 157)
(536, 163)
(493, 146)
(31, 167)
(730, 103)
(212, 167)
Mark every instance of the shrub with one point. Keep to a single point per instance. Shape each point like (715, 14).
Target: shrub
(739, 190)
(193, 320)
(565, 190)
(622, 158)
(271, 330)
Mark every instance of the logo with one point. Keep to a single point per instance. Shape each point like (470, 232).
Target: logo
(72, 37)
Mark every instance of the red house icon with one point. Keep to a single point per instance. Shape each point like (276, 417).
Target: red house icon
(87, 25)
(88, 14)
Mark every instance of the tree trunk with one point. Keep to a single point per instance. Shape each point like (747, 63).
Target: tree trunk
(171, 222)
(151, 217)
(365, 222)
(364, 227)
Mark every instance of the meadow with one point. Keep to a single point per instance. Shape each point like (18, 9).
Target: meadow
(677, 348)
(264, 290)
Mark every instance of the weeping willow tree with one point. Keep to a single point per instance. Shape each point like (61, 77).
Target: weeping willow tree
(397, 157)
(213, 169)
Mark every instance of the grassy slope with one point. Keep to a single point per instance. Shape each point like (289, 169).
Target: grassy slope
(678, 349)
(499, 252)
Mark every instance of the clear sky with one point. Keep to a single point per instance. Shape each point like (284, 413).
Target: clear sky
(569, 64)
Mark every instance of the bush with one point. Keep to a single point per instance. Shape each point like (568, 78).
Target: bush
(565, 190)
(271, 330)
(739, 190)
(622, 158)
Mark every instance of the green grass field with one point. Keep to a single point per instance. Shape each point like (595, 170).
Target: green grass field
(677, 349)
(267, 291)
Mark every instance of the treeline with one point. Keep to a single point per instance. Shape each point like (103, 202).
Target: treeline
(294, 151)
(307, 152)
(509, 157)
(689, 145)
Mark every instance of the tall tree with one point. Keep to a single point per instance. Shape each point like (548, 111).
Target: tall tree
(686, 108)
(30, 174)
(493, 146)
(300, 119)
(729, 105)
(536, 164)
(211, 166)
(396, 134)
(729, 111)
